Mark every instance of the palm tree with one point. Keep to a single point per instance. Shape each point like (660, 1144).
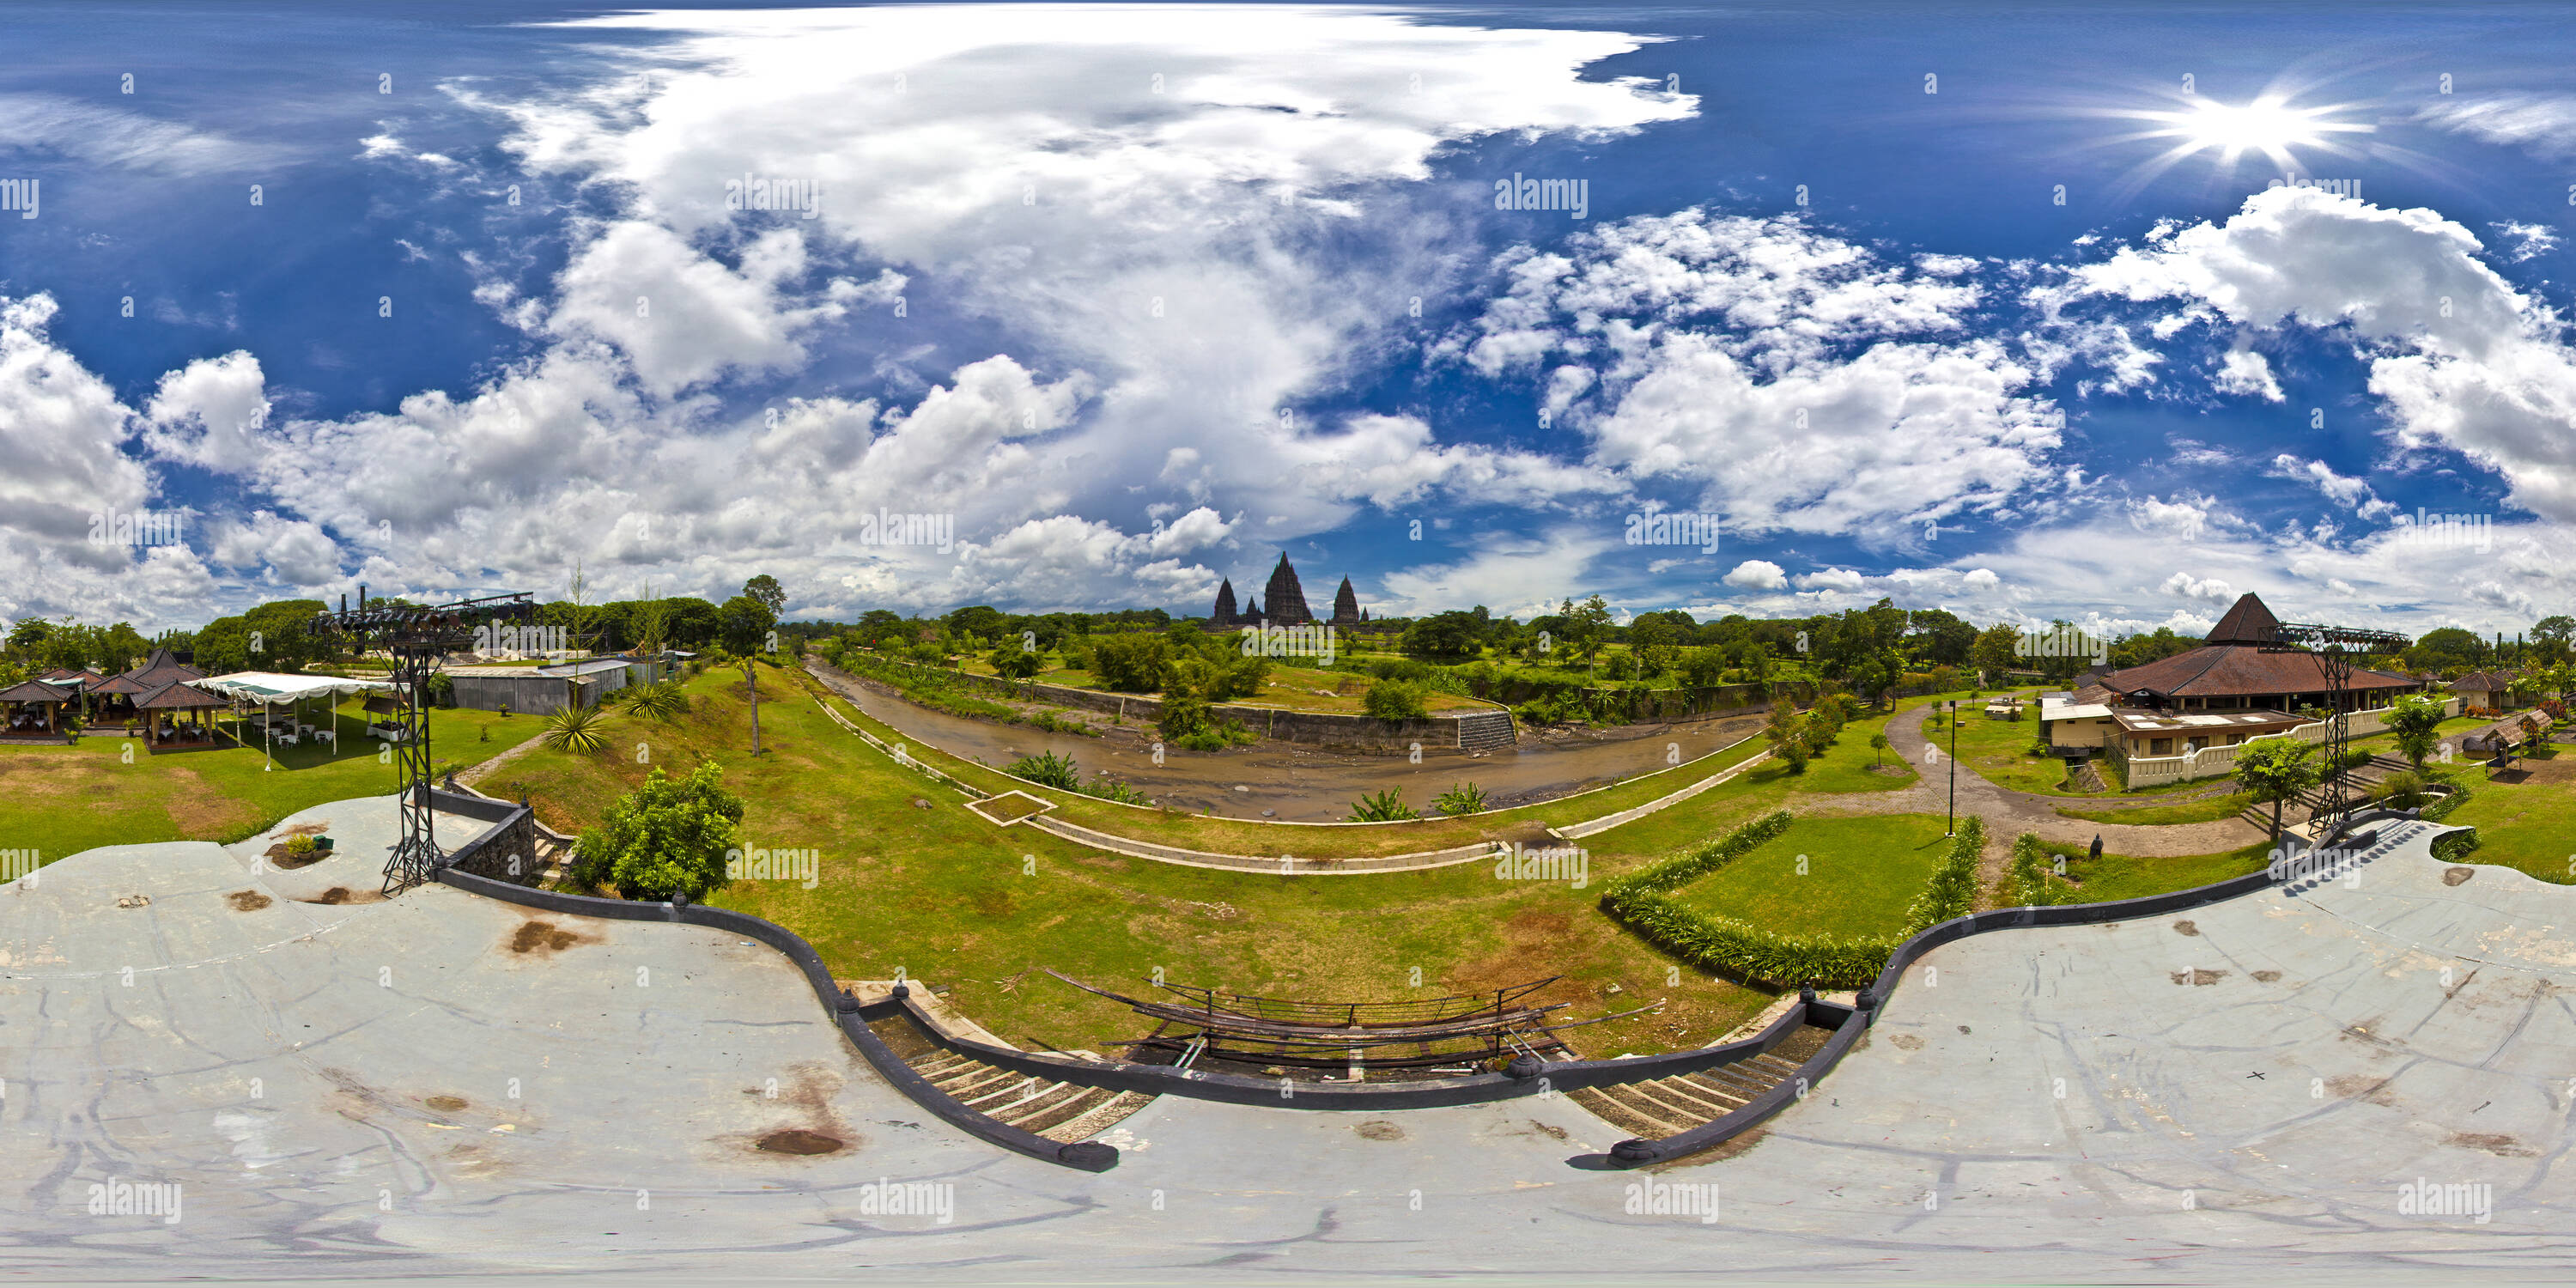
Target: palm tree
(576, 729)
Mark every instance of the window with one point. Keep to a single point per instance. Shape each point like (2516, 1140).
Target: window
(2160, 747)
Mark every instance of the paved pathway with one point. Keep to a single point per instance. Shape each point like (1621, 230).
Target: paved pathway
(2008, 813)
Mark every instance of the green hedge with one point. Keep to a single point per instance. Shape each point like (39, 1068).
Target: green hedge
(1952, 891)
(1735, 947)
(2451, 847)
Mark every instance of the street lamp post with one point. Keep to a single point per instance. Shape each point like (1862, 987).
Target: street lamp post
(1954, 769)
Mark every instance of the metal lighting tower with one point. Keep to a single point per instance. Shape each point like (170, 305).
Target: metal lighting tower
(417, 638)
(2334, 647)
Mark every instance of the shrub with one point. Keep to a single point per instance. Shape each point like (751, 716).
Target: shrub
(299, 844)
(1111, 789)
(1952, 891)
(2026, 883)
(660, 701)
(665, 838)
(1461, 798)
(1012, 662)
(1393, 700)
(2404, 789)
(1047, 769)
(1384, 807)
(581, 730)
(2451, 847)
(1131, 663)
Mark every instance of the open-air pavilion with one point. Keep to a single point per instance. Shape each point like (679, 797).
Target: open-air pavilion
(167, 716)
(284, 705)
(45, 722)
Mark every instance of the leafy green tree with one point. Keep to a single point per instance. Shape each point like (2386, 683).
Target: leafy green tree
(771, 595)
(1014, 662)
(1786, 734)
(2551, 635)
(2274, 771)
(743, 625)
(2415, 720)
(1453, 636)
(1993, 652)
(1655, 640)
(1134, 663)
(668, 837)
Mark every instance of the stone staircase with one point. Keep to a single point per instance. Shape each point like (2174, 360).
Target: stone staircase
(2304, 807)
(1059, 1111)
(1666, 1107)
(1483, 731)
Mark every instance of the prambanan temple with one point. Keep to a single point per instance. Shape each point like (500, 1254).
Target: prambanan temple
(1287, 603)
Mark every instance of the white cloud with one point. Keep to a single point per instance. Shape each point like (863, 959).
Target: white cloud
(105, 136)
(2190, 587)
(2545, 124)
(1830, 579)
(2457, 355)
(211, 413)
(2535, 240)
(2246, 372)
(1758, 574)
(1793, 376)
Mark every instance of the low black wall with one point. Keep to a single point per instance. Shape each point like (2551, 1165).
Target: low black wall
(1849, 1024)
(1089, 1156)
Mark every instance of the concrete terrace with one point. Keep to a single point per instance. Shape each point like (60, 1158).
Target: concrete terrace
(383, 1136)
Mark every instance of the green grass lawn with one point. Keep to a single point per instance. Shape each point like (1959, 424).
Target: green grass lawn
(2527, 826)
(2208, 811)
(951, 899)
(2121, 876)
(1860, 876)
(62, 800)
(2384, 743)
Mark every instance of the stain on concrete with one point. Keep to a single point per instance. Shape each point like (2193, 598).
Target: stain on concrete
(1379, 1131)
(247, 900)
(2187, 928)
(2198, 978)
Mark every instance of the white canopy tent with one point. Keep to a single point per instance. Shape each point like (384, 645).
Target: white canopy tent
(268, 690)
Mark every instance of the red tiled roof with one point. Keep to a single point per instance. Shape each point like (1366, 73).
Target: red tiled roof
(2236, 670)
(176, 696)
(2247, 622)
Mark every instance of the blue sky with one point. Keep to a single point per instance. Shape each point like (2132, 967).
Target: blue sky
(1141, 296)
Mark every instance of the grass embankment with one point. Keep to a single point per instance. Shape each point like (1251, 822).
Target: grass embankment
(2208, 811)
(59, 800)
(956, 901)
(1289, 688)
(2120, 876)
(1848, 766)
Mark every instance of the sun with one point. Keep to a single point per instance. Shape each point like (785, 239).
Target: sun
(2268, 125)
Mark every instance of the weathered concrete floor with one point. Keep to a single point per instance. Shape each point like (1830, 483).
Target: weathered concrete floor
(281, 1063)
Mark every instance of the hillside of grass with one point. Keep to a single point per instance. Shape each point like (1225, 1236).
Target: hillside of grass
(959, 902)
